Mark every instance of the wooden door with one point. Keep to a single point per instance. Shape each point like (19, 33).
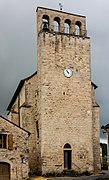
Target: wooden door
(4, 171)
(67, 159)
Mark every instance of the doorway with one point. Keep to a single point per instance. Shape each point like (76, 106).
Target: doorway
(4, 171)
(67, 156)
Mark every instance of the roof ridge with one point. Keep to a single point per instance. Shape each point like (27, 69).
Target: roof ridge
(14, 124)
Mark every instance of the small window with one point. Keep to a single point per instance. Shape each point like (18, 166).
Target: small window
(3, 141)
(67, 26)
(37, 129)
(6, 141)
(78, 28)
(56, 24)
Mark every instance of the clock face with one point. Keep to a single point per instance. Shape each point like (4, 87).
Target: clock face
(68, 72)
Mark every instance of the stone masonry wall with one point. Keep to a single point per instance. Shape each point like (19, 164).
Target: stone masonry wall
(66, 112)
(65, 104)
(96, 142)
(13, 115)
(26, 108)
(27, 117)
(96, 133)
(18, 156)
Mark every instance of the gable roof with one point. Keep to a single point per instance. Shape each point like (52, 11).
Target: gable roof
(18, 90)
(14, 124)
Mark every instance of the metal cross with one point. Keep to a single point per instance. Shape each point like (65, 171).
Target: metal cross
(61, 6)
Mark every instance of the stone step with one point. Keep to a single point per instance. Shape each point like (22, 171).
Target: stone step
(38, 178)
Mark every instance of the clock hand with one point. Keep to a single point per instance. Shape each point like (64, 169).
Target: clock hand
(67, 71)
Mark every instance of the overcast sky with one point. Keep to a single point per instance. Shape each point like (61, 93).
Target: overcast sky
(18, 44)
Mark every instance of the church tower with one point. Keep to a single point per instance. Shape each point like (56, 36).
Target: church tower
(65, 104)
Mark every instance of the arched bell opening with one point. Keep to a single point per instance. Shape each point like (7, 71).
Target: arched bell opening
(67, 24)
(56, 24)
(45, 23)
(78, 28)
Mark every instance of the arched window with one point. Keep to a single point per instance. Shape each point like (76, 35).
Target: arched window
(66, 146)
(78, 28)
(67, 26)
(56, 24)
(67, 156)
(45, 22)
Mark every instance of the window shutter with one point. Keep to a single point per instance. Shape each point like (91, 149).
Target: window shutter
(10, 142)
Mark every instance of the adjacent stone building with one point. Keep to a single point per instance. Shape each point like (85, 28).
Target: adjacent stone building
(57, 103)
(14, 152)
(105, 129)
(22, 111)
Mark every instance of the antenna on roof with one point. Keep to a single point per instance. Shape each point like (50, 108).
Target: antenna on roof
(61, 6)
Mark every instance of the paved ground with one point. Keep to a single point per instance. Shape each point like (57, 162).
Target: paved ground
(103, 176)
(98, 177)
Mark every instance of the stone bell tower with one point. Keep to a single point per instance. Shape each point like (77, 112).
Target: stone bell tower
(66, 140)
